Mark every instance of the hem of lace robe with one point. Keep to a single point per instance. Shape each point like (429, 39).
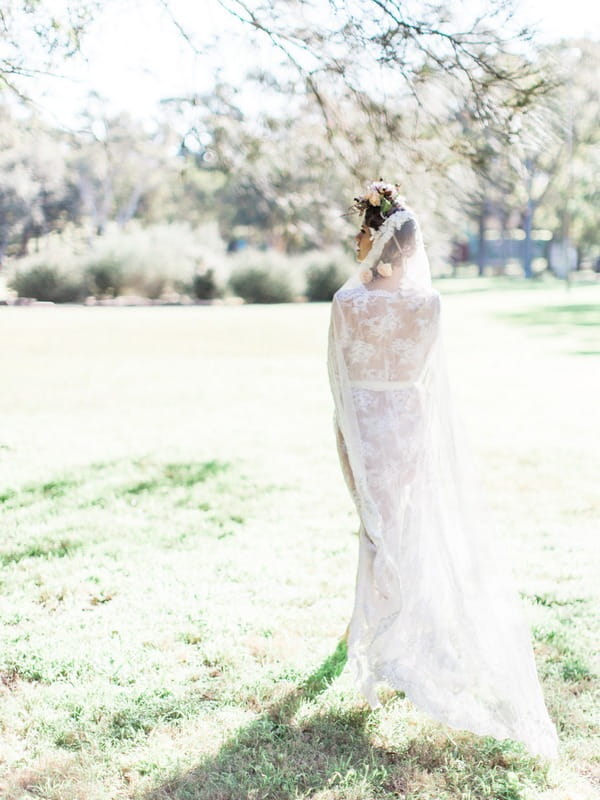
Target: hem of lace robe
(545, 745)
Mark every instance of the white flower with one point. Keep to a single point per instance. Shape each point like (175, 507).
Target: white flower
(384, 269)
(366, 276)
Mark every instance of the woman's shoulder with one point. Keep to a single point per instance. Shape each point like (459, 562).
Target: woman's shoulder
(435, 298)
(423, 304)
(348, 300)
(432, 301)
(346, 293)
(417, 298)
(422, 298)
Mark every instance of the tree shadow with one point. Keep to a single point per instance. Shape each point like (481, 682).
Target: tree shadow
(573, 314)
(277, 757)
(579, 321)
(270, 757)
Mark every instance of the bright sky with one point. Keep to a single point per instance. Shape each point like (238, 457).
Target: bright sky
(557, 20)
(135, 55)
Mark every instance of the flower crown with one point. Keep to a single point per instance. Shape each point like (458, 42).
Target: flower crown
(385, 196)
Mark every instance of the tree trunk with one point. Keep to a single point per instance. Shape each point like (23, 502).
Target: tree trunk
(127, 211)
(528, 223)
(527, 244)
(504, 250)
(481, 254)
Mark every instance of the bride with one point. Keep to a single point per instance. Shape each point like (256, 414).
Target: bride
(434, 616)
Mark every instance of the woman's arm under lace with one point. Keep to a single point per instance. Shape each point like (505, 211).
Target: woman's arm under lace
(344, 460)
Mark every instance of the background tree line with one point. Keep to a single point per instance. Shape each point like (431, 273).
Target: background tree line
(486, 137)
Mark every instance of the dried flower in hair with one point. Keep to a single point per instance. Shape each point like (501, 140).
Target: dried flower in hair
(381, 195)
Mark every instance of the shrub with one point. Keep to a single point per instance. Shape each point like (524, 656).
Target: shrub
(323, 281)
(258, 285)
(48, 283)
(104, 276)
(204, 285)
(149, 261)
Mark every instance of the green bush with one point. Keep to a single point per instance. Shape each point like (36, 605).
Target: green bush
(323, 281)
(148, 261)
(204, 286)
(258, 285)
(104, 276)
(48, 283)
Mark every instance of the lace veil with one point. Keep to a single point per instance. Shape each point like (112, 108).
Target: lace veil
(399, 238)
(435, 614)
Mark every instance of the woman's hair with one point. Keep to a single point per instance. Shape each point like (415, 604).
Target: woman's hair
(403, 239)
(373, 218)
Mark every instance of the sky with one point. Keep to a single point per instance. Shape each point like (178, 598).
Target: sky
(134, 54)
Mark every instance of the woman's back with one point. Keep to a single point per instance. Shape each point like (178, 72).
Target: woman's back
(385, 335)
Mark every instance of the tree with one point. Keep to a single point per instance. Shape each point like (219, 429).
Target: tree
(274, 174)
(35, 36)
(379, 88)
(118, 166)
(37, 194)
(569, 207)
(374, 56)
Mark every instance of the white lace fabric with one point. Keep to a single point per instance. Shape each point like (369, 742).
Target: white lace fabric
(434, 616)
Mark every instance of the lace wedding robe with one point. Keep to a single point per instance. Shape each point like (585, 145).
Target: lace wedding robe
(434, 615)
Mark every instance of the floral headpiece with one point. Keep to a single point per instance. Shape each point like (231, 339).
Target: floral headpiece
(385, 196)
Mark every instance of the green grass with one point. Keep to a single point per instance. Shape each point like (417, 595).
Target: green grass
(564, 316)
(578, 323)
(178, 554)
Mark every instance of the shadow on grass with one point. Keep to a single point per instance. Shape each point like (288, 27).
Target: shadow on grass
(157, 476)
(581, 315)
(579, 319)
(168, 476)
(104, 485)
(31, 494)
(282, 758)
(472, 284)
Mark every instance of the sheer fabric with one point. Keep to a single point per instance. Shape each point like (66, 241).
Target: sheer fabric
(433, 615)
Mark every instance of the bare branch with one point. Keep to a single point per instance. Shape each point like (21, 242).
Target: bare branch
(182, 31)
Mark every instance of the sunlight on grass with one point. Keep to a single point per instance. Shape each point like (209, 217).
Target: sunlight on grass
(178, 554)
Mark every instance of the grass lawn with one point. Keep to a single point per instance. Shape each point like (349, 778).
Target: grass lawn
(178, 553)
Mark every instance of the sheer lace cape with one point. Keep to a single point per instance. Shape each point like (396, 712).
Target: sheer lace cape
(435, 614)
